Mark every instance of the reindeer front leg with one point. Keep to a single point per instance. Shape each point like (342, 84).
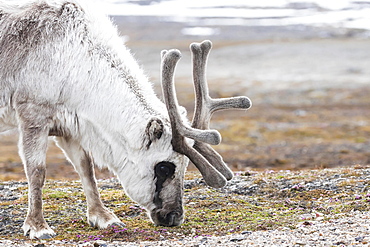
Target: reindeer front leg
(97, 215)
(32, 149)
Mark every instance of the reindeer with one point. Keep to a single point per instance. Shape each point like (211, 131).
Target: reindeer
(64, 72)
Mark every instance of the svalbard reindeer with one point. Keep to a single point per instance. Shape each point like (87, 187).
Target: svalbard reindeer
(64, 72)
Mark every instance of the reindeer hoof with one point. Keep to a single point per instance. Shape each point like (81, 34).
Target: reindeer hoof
(37, 230)
(102, 218)
(46, 235)
(41, 234)
(117, 224)
(102, 225)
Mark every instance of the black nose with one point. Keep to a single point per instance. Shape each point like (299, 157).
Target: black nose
(171, 219)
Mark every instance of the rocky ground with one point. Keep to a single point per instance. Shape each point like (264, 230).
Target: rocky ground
(326, 207)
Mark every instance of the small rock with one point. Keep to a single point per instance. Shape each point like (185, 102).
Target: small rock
(237, 239)
(359, 239)
(300, 243)
(100, 243)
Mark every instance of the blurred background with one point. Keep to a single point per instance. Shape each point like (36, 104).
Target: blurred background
(304, 64)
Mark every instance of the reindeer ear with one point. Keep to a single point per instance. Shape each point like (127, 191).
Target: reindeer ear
(154, 130)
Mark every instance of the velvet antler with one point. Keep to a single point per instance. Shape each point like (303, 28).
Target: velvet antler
(214, 171)
(205, 106)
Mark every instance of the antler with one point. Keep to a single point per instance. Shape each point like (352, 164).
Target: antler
(205, 106)
(202, 155)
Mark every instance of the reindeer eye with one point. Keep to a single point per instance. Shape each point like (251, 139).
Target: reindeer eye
(164, 169)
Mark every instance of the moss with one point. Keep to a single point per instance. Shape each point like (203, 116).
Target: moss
(208, 211)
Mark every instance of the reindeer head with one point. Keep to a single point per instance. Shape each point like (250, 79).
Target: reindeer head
(188, 142)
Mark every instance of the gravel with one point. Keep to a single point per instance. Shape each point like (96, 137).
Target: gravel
(344, 229)
(354, 230)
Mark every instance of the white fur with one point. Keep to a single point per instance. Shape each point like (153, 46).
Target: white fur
(87, 84)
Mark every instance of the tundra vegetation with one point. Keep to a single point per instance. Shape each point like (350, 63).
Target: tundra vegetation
(253, 201)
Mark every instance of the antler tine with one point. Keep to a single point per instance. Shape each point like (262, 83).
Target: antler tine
(205, 106)
(179, 130)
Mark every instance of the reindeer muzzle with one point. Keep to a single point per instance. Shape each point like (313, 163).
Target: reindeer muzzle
(162, 218)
